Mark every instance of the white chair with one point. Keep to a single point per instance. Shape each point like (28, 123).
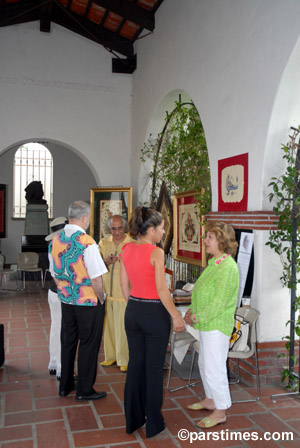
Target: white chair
(6, 272)
(28, 262)
(250, 315)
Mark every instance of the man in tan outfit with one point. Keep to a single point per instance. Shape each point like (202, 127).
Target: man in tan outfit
(115, 340)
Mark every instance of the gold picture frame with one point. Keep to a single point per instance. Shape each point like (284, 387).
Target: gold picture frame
(106, 202)
(188, 232)
(165, 207)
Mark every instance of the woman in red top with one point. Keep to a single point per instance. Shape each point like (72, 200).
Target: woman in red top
(147, 321)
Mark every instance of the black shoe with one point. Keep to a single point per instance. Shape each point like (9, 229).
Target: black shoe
(154, 433)
(93, 396)
(65, 393)
(52, 371)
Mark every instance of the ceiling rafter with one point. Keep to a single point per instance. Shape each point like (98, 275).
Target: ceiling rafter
(45, 17)
(130, 11)
(79, 25)
(14, 14)
(116, 35)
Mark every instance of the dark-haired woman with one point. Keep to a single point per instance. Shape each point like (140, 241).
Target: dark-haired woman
(214, 301)
(147, 321)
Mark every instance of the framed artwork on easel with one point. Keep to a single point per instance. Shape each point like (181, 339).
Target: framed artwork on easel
(188, 230)
(106, 202)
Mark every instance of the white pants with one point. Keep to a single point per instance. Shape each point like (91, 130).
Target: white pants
(54, 339)
(213, 352)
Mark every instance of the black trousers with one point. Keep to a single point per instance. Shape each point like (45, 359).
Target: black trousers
(147, 326)
(83, 325)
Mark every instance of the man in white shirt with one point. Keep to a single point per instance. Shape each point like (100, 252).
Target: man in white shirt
(77, 268)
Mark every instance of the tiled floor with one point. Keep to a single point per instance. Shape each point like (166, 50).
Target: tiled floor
(34, 416)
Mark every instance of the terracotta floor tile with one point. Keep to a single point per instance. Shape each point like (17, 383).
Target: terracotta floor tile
(81, 418)
(292, 413)
(127, 445)
(176, 420)
(18, 341)
(113, 421)
(104, 437)
(57, 401)
(18, 401)
(162, 443)
(13, 387)
(45, 388)
(269, 422)
(47, 433)
(108, 405)
(290, 444)
(33, 417)
(19, 364)
(295, 424)
(119, 390)
(169, 403)
(17, 324)
(15, 433)
(117, 378)
(23, 444)
(37, 339)
(260, 442)
(211, 443)
(246, 408)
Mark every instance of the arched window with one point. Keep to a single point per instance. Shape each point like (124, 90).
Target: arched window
(33, 161)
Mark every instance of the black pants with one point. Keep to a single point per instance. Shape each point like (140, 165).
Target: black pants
(147, 326)
(81, 324)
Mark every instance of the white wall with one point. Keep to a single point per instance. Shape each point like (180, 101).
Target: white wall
(233, 58)
(60, 86)
(72, 180)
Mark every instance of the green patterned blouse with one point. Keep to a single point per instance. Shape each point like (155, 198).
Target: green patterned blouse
(214, 297)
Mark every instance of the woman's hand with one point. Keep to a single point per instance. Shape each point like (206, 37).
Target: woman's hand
(188, 318)
(178, 324)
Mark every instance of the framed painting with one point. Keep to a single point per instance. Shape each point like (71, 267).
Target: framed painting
(169, 278)
(106, 202)
(165, 207)
(233, 183)
(188, 231)
(2, 211)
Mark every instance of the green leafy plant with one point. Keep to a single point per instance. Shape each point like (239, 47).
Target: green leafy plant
(178, 155)
(285, 239)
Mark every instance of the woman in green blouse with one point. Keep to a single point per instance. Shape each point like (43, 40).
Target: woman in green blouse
(214, 301)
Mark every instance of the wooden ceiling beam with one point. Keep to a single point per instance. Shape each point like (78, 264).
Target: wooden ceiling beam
(130, 11)
(94, 32)
(45, 17)
(19, 14)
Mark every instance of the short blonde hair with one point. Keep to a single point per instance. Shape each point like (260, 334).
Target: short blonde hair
(225, 236)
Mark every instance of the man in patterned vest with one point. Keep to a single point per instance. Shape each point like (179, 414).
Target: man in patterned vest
(77, 268)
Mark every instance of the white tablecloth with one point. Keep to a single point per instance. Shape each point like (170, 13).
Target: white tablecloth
(182, 341)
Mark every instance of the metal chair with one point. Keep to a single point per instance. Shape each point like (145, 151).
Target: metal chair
(28, 262)
(180, 339)
(45, 276)
(250, 315)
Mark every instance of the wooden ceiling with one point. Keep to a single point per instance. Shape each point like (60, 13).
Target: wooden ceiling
(115, 24)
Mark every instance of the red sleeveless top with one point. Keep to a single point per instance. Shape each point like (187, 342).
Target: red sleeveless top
(141, 274)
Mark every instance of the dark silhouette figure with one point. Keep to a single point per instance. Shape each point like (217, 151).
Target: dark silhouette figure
(35, 193)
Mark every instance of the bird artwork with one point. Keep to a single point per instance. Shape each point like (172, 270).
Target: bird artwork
(230, 186)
